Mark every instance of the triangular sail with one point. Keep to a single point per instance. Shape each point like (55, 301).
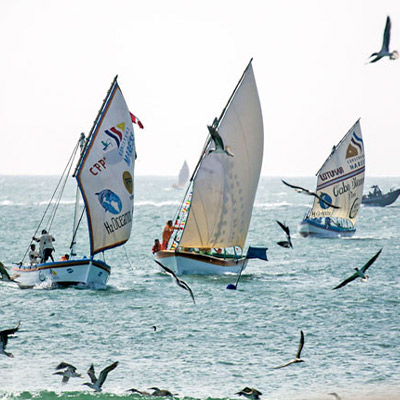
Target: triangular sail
(224, 186)
(105, 174)
(341, 178)
(183, 175)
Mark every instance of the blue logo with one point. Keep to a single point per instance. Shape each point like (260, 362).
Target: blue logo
(110, 201)
(327, 198)
(70, 270)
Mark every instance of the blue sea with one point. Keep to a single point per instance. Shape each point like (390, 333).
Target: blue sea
(229, 339)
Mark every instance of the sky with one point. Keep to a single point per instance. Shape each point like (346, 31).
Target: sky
(177, 64)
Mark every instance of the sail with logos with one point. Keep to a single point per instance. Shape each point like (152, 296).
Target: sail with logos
(104, 175)
(340, 183)
(210, 228)
(183, 176)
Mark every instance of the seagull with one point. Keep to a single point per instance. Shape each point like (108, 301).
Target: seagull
(178, 281)
(154, 328)
(250, 393)
(384, 51)
(4, 339)
(69, 372)
(161, 392)
(297, 359)
(142, 393)
(219, 143)
(309, 192)
(360, 273)
(286, 243)
(96, 384)
(5, 276)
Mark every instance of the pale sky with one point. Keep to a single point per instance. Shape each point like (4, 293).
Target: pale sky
(178, 62)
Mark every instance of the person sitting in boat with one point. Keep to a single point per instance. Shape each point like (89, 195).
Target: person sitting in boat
(33, 255)
(45, 246)
(65, 257)
(156, 246)
(328, 222)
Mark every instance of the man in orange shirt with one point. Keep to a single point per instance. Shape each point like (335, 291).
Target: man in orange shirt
(167, 232)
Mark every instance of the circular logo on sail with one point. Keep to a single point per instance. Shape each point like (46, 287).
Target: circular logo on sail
(128, 181)
(327, 198)
(110, 201)
(354, 208)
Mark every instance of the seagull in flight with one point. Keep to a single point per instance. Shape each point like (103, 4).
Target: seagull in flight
(95, 383)
(309, 192)
(142, 393)
(219, 143)
(4, 339)
(297, 359)
(178, 281)
(161, 392)
(286, 243)
(250, 393)
(384, 51)
(360, 273)
(69, 372)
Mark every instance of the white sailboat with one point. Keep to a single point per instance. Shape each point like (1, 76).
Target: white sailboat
(212, 223)
(340, 183)
(104, 176)
(183, 176)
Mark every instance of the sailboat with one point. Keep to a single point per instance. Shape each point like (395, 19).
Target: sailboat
(104, 175)
(183, 176)
(340, 183)
(211, 225)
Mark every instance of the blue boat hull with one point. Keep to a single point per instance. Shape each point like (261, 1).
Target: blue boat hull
(312, 228)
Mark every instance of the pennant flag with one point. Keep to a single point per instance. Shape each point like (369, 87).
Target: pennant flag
(257, 252)
(136, 120)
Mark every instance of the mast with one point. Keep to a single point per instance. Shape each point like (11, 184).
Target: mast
(82, 145)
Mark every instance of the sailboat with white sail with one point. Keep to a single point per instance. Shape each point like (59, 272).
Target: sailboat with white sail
(211, 225)
(183, 176)
(340, 183)
(104, 175)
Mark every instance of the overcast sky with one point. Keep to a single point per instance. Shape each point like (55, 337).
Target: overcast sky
(178, 62)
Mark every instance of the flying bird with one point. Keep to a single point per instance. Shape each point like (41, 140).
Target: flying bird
(219, 143)
(360, 273)
(384, 51)
(250, 393)
(4, 339)
(142, 393)
(286, 243)
(69, 372)
(160, 392)
(297, 359)
(5, 276)
(178, 281)
(95, 383)
(310, 193)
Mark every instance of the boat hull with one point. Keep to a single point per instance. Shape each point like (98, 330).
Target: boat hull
(80, 272)
(382, 200)
(190, 263)
(311, 228)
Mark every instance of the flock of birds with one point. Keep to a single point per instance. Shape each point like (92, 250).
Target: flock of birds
(68, 371)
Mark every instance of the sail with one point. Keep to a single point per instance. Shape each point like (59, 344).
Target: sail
(183, 175)
(105, 174)
(341, 178)
(224, 187)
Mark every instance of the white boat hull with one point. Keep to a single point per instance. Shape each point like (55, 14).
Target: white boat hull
(190, 263)
(81, 272)
(309, 228)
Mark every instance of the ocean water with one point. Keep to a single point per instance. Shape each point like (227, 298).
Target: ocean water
(229, 339)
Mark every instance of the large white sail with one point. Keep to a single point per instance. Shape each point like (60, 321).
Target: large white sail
(106, 172)
(341, 178)
(183, 175)
(224, 186)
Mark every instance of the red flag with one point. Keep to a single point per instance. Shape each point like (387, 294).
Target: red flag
(136, 120)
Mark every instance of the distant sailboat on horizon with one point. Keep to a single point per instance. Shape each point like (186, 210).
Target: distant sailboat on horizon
(183, 176)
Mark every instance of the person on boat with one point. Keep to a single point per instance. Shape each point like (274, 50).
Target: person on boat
(156, 246)
(46, 247)
(65, 257)
(33, 255)
(328, 222)
(167, 232)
